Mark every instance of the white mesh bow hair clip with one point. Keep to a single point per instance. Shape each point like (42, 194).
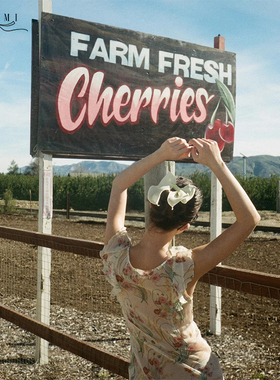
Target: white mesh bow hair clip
(176, 194)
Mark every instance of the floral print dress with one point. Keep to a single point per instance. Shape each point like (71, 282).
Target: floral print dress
(165, 341)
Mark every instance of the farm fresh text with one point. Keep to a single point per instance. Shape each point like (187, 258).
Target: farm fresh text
(128, 55)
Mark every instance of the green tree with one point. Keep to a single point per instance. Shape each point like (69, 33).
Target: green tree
(9, 202)
(203, 182)
(33, 167)
(13, 168)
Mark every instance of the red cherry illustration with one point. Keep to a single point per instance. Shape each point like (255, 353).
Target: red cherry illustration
(227, 132)
(213, 132)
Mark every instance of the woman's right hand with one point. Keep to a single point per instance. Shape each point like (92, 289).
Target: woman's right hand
(206, 152)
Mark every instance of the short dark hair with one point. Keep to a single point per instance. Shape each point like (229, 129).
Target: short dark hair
(165, 218)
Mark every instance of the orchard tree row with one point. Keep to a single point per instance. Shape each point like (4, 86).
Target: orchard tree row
(92, 193)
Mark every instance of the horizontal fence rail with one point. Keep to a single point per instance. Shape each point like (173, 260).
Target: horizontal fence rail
(257, 283)
(76, 346)
(141, 218)
(80, 247)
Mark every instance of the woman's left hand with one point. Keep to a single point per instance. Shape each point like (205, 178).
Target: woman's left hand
(174, 149)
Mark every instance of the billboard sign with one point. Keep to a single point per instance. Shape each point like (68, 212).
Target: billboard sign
(111, 93)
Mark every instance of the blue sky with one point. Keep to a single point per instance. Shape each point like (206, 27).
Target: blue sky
(251, 29)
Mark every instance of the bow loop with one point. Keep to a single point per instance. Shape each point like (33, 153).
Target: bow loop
(176, 194)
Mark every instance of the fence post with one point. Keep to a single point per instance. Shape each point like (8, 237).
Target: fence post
(45, 226)
(44, 254)
(215, 230)
(30, 200)
(278, 197)
(67, 205)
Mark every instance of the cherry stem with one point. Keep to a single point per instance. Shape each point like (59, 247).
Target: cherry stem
(214, 113)
(226, 115)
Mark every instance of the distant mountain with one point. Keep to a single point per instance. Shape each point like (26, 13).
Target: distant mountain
(256, 166)
(262, 166)
(89, 167)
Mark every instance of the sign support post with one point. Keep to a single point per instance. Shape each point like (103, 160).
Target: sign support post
(44, 226)
(215, 230)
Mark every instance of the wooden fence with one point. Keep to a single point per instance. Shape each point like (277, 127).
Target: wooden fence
(255, 283)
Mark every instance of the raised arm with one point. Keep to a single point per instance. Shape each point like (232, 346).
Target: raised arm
(208, 256)
(171, 150)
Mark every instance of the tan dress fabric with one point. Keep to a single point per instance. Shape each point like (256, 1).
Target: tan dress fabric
(165, 341)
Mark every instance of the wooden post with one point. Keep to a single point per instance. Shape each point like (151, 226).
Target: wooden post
(30, 200)
(215, 230)
(67, 205)
(44, 254)
(44, 6)
(244, 166)
(219, 42)
(44, 226)
(278, 197)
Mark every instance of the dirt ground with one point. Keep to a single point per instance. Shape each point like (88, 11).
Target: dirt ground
(255, 321)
